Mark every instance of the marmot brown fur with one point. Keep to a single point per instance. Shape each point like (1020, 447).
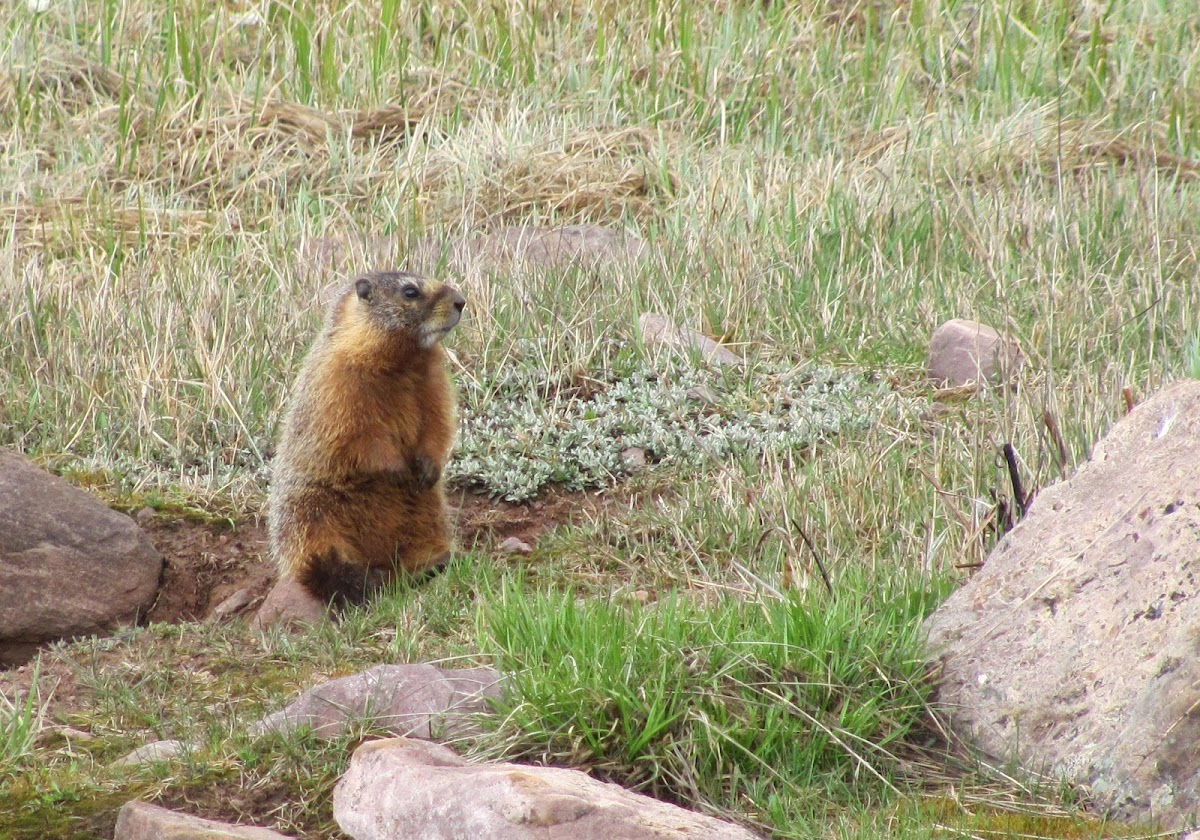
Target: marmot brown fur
(357, 490)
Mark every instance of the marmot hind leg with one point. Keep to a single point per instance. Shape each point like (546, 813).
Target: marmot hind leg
(333, 580)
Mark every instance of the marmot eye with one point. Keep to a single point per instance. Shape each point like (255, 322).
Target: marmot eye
(410, 292)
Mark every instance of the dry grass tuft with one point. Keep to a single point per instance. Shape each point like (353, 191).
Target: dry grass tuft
(73, 224)
(234, 154)
(72, 80)
(484, 177)
(1038, 144)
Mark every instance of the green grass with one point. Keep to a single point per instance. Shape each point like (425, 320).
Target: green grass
(777, 709)
(20, 723)
(820, 184)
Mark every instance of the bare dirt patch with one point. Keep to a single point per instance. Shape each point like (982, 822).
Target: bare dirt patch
(205, 563)
(483, 522)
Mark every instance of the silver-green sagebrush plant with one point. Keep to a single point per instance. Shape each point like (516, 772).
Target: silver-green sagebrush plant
(524, 429)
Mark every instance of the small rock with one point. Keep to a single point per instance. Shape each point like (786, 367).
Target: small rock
(155, 751)
(642, 596)
(73, 734)
(514, 545)
(289, 604)
(235, 603)
(658, 330)
(145, 516)
(67, 733)
(702, 394)
(143, 821)
(965, 352)
(405, 788)
(418, 700)
(634, 458)
(246, 20)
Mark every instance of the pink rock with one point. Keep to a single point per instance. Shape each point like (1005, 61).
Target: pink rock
(540, 247)
(1073, 650)
(405, 788)
(514, 545)
(289, 604)
(965, 352)
(143, 821)
(419, 700)
(634, 458)
(658, 330)
(232, 605)
(154, 751)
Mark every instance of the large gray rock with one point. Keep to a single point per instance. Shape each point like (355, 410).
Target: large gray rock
(400, 788)
(419, 700)
(69, 566)
(143, 821)
(965, 352)
(1074, 649)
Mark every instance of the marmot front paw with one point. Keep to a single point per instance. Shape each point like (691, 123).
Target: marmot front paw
(426, 472)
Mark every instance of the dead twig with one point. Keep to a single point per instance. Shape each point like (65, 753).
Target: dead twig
(1056, 434)
(816, 558)
(1014, 476)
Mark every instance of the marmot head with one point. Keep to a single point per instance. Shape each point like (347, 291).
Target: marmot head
(408, 303)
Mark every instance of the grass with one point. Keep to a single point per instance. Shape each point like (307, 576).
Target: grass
(782, 702)
(820, 185)
(20, 723)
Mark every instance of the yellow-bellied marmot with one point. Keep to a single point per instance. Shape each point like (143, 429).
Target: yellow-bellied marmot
(357, 490)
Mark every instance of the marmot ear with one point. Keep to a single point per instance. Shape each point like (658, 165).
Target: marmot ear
(363, 288)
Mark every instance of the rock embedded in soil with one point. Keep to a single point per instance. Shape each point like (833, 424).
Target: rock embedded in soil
(289, 604)
(154, 751)
(515, 545)
(405, 788)
(234, 604)
(66, 733)
(1073, 650)
(963, 352)
(633, 458)
(143, 821)
(417, 700)
(658, 331)
(550, 248)
(69, 565)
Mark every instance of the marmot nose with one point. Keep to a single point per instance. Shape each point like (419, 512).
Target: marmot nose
(460, 302)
